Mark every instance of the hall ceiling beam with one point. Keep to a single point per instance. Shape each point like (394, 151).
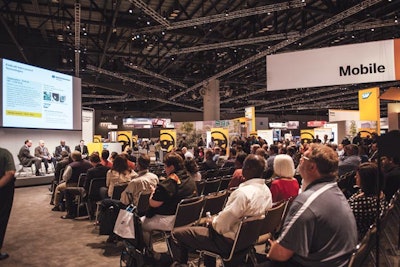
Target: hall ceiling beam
(326, 23)
(224, 17)
(151, 12)
(125, 78)
(155, 75)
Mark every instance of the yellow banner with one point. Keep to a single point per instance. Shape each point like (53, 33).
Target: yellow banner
(221, 138)
(168, 139)
(125, 138)
(369, 105)
(96, 138)
(307, 135)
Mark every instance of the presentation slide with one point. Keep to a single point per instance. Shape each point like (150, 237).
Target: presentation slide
(33, 97)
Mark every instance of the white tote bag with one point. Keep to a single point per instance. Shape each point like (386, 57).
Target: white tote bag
(124, 226)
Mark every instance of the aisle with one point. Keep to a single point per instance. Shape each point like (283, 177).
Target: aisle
(37, 236)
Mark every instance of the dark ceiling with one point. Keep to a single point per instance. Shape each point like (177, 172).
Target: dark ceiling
(152, 56)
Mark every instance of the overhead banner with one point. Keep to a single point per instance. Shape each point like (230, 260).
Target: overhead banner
(369, 105)
(168, 139)
(250, 113)
(347, 64)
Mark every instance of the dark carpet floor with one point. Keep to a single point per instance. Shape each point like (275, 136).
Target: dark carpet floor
(37, 236)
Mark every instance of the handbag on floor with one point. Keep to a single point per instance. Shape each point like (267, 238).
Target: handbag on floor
(124, 225)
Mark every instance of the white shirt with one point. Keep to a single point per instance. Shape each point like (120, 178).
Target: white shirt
(251, 198)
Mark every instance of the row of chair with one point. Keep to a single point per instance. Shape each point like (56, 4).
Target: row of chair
(212, 185)
(389, 232)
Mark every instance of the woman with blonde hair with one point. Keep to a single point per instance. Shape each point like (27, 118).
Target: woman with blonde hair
(284, 185)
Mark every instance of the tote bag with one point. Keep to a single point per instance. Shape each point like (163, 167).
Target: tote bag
(124, 226)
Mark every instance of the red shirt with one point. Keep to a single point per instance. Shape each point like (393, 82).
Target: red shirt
(283, 188)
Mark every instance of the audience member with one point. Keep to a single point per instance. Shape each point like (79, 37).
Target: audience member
(252, 198)
(237, 176)
(97, 171)
(105, 154)
(373, 152)
(83, 149)
(364, 202)
(7, 179)
(70, 177)
(187, 154)
(43, 153)
(350, 161)
(284, 185)
(166, 196)
(272, 152)
(320, 229)
(192, 169)
(128, 153)
(59, 171)
(391, 171)
(27, 159)
(141, 184)
(230, 162)
(120, 173)
(60, 148)
(209, 163)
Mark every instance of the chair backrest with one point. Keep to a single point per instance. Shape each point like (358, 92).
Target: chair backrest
(225, 182)
(271, 222)
(189, 211)
(211, 186)
(81, 179)
(214, 203)
(94, 188)
(363, 248)
(143, 203)
(61, 175)
(246, 236)
(200, 187)
(117, 191)
(211, 173)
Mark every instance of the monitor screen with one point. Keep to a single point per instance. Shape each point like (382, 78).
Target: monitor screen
(33, 97)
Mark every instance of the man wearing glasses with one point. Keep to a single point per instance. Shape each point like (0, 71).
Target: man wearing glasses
(320, 229)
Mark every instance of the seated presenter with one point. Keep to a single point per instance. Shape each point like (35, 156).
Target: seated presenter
(43, 153)
(27, 159)
(83, 149)
(62, 147)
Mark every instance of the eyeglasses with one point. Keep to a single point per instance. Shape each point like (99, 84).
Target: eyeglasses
(304, 157)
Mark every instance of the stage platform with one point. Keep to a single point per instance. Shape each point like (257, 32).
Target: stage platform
(29, 180)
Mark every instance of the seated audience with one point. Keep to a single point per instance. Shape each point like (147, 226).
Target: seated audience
(59, 171)
(70, 178)
(391, 172)
(192, 169)
(105, 154)
(97, 171)
(284, 185)
(26, 159)
(364, 202)
(350, 160)
(120, 173)
(187, 154)
(143, 183)
(166, 196)
(319, 229)
(251, 198)
(209, 163)
(230, 162)
(128, 152)
(62, 147)
(237, 177)
(131, 164)
(43, 153)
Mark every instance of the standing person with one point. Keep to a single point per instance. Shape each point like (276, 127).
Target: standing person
(83, 149)
(7, 179)
(320, 229)
(43, 153)
(27, 159)
(62, 147)
(251, 198)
